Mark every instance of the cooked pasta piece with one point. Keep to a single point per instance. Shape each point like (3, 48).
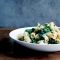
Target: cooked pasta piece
(40, 42)
(20, 36)
(25, 34)
(27, 39)
(37, 36)
(32, 35)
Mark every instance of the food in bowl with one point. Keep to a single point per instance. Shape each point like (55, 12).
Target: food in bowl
(41, 34)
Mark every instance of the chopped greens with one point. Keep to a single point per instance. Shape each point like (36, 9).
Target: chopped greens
(52, 41)
(33, 41)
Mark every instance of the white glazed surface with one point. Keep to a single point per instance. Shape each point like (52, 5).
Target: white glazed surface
(39, 47)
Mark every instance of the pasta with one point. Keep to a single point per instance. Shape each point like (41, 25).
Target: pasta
(41, 34)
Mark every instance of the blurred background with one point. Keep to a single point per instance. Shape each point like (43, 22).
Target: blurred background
(26, 13)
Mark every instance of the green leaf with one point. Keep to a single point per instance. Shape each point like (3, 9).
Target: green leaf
(52, 41)
(34, 41)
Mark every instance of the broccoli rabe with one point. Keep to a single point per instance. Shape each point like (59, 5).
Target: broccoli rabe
(41, 37)
(30, 30)
(52, 41)
(33, 41)
(46, 29)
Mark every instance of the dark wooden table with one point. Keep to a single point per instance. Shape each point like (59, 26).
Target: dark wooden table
(11, 50)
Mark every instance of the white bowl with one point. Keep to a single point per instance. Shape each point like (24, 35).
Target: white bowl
(39, 47)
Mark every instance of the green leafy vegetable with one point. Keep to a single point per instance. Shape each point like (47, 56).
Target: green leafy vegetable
(30, 30)
(34, 41)
(52, 41)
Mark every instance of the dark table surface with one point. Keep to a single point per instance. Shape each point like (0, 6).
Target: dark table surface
(11, 50)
